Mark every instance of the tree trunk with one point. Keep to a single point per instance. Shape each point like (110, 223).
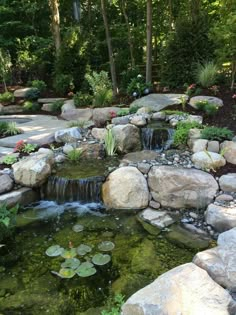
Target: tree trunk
(233, 75)
(149, 42)
(110, 51)
(130, 42)
(54, 5)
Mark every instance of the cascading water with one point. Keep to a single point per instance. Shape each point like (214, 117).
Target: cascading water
(157, 137)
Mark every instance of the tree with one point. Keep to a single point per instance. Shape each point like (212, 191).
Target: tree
(149, 42)
(5, 65)
(54, 5)
(110, 50)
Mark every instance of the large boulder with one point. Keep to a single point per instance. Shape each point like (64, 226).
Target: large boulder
(69, 112)
(99, 133)
(208, 160)
(6, 183)
(21, 92)
(199, 145)
(181, 187)
(229, 150)
(68, 135)
(222, 218)
(228, 182)
(125, 188)
(186, 290)
(33, 171)
(210, 99)
(220, 262)
(102, 115)
(127, 138)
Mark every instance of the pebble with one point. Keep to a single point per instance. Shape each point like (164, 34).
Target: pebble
(193, 215)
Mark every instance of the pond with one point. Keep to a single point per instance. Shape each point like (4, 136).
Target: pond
(27, 284)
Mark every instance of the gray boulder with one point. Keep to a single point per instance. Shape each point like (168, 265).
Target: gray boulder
(21, 92)
(102, 115)
(208, 160)
(222, 218)
(6, 183)
(229, 150)
(68, 135)
(228, 182)
(159, 219)
(127, 138)
(210, 99)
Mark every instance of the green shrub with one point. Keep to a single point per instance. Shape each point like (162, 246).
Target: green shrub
(32, 94)
(208, 108)
(110, 143)
(181, 134)
(215, 133)
(12, 129)
(134, 109)
(206, 74)
(6, 97)
(3, 127)
(30, 106)
(40, 85)
(7, 220)
(75, 155)
(29, 147)
(127, 76)
(114, 305)
(138, 87)
(82, 100)
(174, 112)
(57, 105)
(123, 112)
(103, 98)
(63, 83)
(9, 159)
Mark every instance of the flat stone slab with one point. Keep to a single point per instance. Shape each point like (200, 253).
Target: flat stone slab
(39, 129)
(140, 156)
(22, 196)
(11, 109)
(157, 102)
(50, 100)
(210, 99)
(4, 151)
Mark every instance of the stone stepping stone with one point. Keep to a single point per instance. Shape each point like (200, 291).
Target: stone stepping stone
(50, 100)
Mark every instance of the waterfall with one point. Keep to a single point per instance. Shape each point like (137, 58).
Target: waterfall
(63, 190)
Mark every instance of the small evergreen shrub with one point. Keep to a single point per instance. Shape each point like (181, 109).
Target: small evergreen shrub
(57, 105)
(133, 109)
(30, 106)
(123, 112)
(218, 134)
(63, 83)
(40, 85)
(208, 108)
(6, 97)
(82, 100)
(138, 87)
(32, 94)
(181, 134)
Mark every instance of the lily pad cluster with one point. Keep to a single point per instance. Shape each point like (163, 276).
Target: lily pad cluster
(72, 265)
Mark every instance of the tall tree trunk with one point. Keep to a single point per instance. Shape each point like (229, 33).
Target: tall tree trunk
(233, 74)
(54, 5)
(130, 42)
(149, 42)
(110, 51)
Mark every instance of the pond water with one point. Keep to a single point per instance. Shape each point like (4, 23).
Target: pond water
(27, 284)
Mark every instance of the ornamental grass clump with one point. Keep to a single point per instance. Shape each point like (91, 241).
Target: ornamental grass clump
(206, 74)
(110, 143)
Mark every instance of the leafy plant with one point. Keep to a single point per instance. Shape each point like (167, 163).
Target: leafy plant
(209, 108)
(133, 109)
(3, 127)
(82, 100)
(138, 87)
(114, 305)
(123, 112)
(75, 155)
(169, 112)
(40, 85)
(6, 97)
(181, 134)
(206, 74)
(30, 106)
(63, 83)
(215, 133)
(32, 94)
(57, 105)
(29, 147)
(190, 91)
(9, 159)
(110, 143)
(7, 216)
(12, 129)
(103, 97)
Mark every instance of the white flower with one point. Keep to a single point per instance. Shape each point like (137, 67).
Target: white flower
(139, 76)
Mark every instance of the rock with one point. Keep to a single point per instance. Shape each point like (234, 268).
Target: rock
(48, 107)
(128, 284)
(186, 290)
(67, 148)
(228, 182)
(11, 109)
(159, 116)
(213, 146)
(210, 99)
(135, 157)
(220, 217)
(99, 133)
(193, 135)
(159, 219)
(21, 92)
(138, 120)
(208, 160)
(22, 196)
(220, 262)
(199, 145)
(92, 150)
(68, 135)
(124, 120)
(224, 197)
(181, 187)
(194, 118)
(155, 205)
(52, 100)
(144, 110)
(127, 138)
(46, 151)
(229, 150)
(78, 114)
(33, 171)
(157, 102)
(6, 183)
(144, 167)
(102, 115)
(125, 188)
(60, 158)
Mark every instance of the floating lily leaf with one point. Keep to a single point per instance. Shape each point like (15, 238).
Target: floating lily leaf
(86, 269)
(69, 253)
(78, 228)
(101, 259)
(106, 246)
(83, 249)
(54, 251)
(65, 273)
(72, 263)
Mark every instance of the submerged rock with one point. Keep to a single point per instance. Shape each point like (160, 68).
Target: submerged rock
(159, 219)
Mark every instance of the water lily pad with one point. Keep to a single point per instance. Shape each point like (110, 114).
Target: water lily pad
(106, 246)
(101, 259)
(78, 228)
(54, 251)
(69, 253)
(72, 263)
(65, 273)
(83, 249)
(86, 269)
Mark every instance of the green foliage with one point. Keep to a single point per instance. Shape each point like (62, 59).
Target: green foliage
(208, 108)
(110, 143)
(215, 133)
(29, 106)
(79, 124)
(206, 74)
(181, 134)
(57, 105)
(32, 94)
(174, 112)
(138, 87)
(75, 155)
(9, 159)
(123, 112)
(11, 129)
(114, 305)
(82, 100)
(103, 98)
(29, 147)
(133, 109)
(7, 216)
(3, 127)
(127, 76)
(5, 66)
(40, 85)
(6, 97)
(63, 83)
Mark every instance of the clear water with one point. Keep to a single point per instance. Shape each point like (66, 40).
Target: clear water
(27, 285)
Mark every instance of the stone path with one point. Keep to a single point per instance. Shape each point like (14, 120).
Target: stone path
(38, 129)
